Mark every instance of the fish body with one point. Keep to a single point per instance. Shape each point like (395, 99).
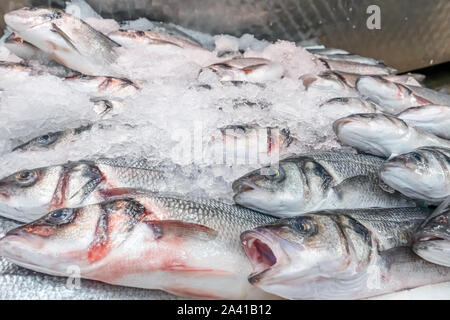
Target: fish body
(247, 70)
(353, 58)
(68, 40)
(29, 194)
(326, 180)
(431, 118)
(25, 50)
(99, 86)
(421, 174)
(185, 247)
(432, 239)
(356, 68)
(344, 106)
(51, 140)
(327, 81)
(383, 135)
(341, 254)
(132, 37)
(395, 97)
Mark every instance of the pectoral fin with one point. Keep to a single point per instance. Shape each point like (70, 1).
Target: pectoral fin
(63, 35)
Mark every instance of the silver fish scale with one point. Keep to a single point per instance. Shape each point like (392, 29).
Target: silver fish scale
(345, 164)
(136, 173)
(229, 220)
(23, 284)
(392, 227)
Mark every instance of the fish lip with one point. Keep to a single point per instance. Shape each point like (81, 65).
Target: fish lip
(257, 245)
(243, 186)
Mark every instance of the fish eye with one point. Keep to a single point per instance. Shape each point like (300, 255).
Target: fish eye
(304, 225)
(26, 178)
(273, 174)
(47, 139)
(418, 157)
(60, 216)
(53, 15)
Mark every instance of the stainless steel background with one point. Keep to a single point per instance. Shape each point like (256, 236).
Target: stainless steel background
(414, 33)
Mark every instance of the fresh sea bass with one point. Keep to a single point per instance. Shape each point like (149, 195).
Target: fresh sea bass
(356, 68)
(188, 248)
(250, 143)
(17, 283)
(342, 254)
(133, 37)
(29, 194)
(328, 81)
(68, 40)
(247, 70)
(395, 97)
(50, 140)
(383, 135)
(422, 174)
(103, 86)
(25, 50)
(337, 108)
(327, 180)
(430, 118)
(432, 240)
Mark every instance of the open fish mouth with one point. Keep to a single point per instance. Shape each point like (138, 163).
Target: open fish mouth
(426, 238)
(243, 186)
(260, 251)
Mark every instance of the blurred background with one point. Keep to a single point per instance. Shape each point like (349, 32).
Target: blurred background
(414, 34)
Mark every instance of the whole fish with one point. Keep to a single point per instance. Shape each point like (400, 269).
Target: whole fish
(327, 81)
(422, 174)
(383, 135)
(395, 97)
(250, 143)
(185, 247)
(17, 283)
(104, 107)
(326, 180)
(25, 50)
(247, 70)
(29, 194)
(67, 39)
(342, 254)
(103, 86)
(344, 106)
(356, 68)
(430, 118)
(174, 31)
(50, 140)
(326, 51)
(353, 58)
(432, 240)
(133, 37)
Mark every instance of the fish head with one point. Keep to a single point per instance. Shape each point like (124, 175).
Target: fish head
(432, 241)
(419, 174)
(124, 233)
(54, 242)
(325, 81)
(376, 88)
(27, 18)
(370, 131)
(276, 190)
(41, 142)
(290, 253)
(28, 194)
